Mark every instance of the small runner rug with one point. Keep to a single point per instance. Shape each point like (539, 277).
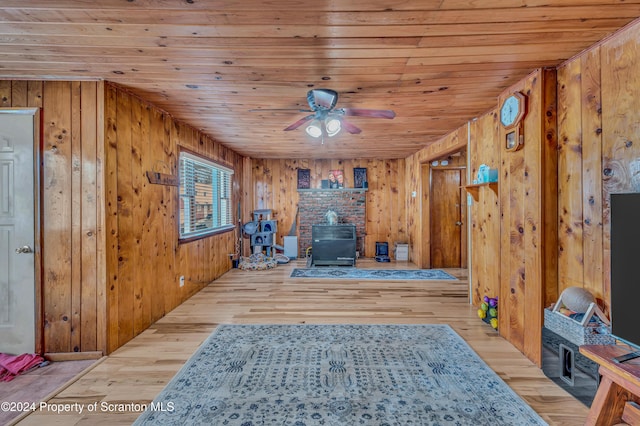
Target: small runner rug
(372, 274)
(249, 375)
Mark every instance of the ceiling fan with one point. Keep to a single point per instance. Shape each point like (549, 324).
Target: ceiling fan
(327, 119)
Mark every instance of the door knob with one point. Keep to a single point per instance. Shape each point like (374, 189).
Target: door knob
(24, 249)
(458, 223)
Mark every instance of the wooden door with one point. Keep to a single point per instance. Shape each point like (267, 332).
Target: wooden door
(17, 232)
(446, 220)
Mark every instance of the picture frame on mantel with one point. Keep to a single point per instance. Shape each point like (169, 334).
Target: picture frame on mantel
(336, 179)
(359, 177)
(304, 178)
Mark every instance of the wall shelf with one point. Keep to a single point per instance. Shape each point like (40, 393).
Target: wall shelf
(474, 189)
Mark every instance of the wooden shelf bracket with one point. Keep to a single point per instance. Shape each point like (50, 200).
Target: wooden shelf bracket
(474, 189)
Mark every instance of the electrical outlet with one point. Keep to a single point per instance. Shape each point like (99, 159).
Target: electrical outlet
(181, 280)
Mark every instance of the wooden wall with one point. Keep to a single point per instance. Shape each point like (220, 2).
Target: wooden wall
(528, 218)
(484, 148)
(596, 128)
(515, 229)
(597, 109)
(598, 116)
(418, 207)
(73, 295)
(110, 252)
(143, 256)
(274, 186)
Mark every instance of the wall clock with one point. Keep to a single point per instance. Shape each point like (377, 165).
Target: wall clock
(512, 113)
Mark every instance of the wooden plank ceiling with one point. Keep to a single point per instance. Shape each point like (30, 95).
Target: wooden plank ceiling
(225, 66)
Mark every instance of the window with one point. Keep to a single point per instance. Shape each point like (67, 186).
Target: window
(205, 196)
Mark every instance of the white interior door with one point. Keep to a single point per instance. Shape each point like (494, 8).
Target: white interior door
(17, 231)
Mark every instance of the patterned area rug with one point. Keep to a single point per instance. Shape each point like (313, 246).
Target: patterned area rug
(372, 274)
(249, 375)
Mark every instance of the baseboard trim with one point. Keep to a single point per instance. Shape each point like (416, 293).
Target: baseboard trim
(72, 356)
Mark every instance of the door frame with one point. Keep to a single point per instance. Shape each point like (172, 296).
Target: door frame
(425, 215)
(37, 222)
(425, 207)
(462, 210)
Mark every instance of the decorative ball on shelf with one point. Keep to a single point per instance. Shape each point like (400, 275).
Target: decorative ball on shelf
(577, 299)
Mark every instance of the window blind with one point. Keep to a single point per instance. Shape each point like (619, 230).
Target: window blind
(205, 196)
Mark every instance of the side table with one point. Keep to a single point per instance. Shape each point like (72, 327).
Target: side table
(618, 396)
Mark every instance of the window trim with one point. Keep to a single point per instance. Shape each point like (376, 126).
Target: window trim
(186, 153)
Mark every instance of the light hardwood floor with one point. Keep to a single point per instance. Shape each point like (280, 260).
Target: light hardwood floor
(139, 370)
(39, 384)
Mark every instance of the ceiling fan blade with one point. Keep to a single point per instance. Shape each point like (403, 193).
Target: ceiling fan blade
(354, 130)
(299, 122)
(361, 112)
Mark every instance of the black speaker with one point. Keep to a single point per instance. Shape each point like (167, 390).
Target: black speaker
(563, 363)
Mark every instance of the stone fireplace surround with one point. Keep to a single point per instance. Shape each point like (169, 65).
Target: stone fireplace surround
(313, 204)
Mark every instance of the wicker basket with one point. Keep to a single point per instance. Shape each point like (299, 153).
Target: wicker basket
(592, 333)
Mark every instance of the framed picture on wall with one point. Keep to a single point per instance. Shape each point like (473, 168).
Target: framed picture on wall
(304, 178)
(336, 179)
(359, 177)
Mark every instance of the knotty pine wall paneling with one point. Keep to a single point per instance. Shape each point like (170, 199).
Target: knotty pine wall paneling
(570, 256)
(620, 94)
(528, 208)
(274, 186)
(144, 258)
(73, 292)
(386, 213)
(60, 170)
(484, 148)
(590, 134)
(594, 276)
(549, 188)
(245, 188)
(92, 275)
(599, 154)
(111, 209)
(579, 124)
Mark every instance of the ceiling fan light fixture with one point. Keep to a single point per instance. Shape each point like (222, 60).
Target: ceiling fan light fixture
(326, 120)
(333, 126)
(314, 129)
